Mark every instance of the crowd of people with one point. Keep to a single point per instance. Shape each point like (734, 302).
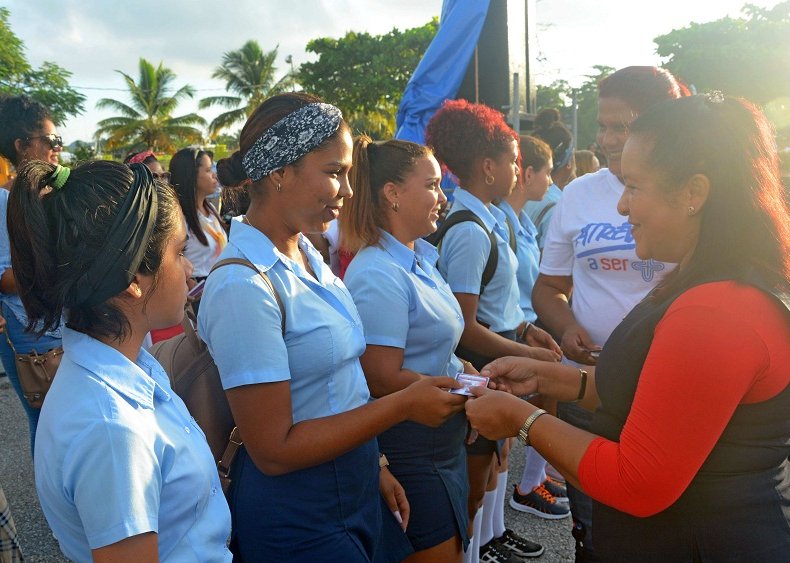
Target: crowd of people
(626, 315)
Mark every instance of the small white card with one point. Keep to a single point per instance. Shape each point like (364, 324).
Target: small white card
(468, 381)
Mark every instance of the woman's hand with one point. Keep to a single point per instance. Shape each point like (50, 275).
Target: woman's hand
(427, 403)
(577, 344)
(496, 414)
(514, 374)
(536, 336)
(395, 497)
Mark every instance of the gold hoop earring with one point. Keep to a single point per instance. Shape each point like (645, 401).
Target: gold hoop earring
(395, 207)
(279, 187)
(692, 211)
(490, 180)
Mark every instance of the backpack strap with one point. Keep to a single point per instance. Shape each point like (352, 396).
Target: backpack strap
(266, 280)
(463, 216)
(234, 440)
(511, 231)
(542, 214)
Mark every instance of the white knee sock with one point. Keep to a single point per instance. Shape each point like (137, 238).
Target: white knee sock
(498, 523)
(472, 554)
(534, 470)
(489, 509)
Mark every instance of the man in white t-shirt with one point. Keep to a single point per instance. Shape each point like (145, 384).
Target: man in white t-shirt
(589, 242)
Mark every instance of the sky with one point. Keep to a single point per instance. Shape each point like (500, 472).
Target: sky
(93, 38)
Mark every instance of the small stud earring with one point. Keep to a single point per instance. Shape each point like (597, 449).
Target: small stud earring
(692, 211)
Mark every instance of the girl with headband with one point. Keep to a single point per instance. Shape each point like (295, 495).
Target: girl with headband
(27, 132)
(123, 472)
(307, 480)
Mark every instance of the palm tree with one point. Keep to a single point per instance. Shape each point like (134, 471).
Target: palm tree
(249, 73)
(148, 119)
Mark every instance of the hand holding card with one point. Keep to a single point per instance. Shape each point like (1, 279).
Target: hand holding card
(468, 381)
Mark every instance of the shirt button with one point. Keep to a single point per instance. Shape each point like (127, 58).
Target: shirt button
(213, 490)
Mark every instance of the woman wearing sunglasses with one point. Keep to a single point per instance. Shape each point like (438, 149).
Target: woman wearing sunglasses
(27, 132)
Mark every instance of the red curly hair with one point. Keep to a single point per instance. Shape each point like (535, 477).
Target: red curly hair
(461, 133)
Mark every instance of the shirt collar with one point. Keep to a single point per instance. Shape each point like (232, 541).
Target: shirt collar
(260, 250)
(402, 254)
(139, 381)
(470, 202)
(510, 215)
(253, 244)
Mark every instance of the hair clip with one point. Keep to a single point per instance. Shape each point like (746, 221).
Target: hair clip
(714, 97)
(59, 177)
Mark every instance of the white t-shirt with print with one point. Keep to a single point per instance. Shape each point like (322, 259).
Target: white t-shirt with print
(590, 241)
(203, 257)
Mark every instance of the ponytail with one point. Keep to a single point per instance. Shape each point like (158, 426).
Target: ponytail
(32, 249)
(374, 165)
(360, 216)
(60, 236)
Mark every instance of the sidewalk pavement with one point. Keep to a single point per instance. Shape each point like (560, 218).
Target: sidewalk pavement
(38, 544)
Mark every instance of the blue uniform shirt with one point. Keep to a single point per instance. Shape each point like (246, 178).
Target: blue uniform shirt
(463, 256)
(528, 255)
(405, 303)
(534, 210)
(117, 455)
(240, 322)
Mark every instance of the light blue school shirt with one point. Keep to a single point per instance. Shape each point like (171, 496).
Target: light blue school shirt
(534, 209)
(241, 323)
(117, 455)
(11, 301)
(463, 256)
(404, 303)
(528, 255)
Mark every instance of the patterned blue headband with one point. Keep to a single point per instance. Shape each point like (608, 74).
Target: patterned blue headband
(289, 139)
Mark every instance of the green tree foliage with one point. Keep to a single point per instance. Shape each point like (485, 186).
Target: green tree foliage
(559, 95)
(147, 121)
(48, 84)
(365, 75)
(249, 73)
(746, 56)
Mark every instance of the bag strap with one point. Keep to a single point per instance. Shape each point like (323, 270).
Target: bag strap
(463, 216)
(542, 214)
(234, 440)
(511, 231)
(266, 280)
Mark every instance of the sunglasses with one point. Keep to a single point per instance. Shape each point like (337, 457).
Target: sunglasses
(55, 141)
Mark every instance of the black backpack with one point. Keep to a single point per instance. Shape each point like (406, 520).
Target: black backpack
(463, 216)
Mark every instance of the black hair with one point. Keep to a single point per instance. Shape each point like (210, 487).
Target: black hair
(183, 176)
(58, 234)
(20, 118)
(745, 222)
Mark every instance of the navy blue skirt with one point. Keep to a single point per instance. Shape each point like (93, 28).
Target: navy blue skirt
(329, 512)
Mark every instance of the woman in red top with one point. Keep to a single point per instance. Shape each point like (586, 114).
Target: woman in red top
(688, 459)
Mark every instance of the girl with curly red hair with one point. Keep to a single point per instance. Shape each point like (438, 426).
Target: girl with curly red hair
(476, 144)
